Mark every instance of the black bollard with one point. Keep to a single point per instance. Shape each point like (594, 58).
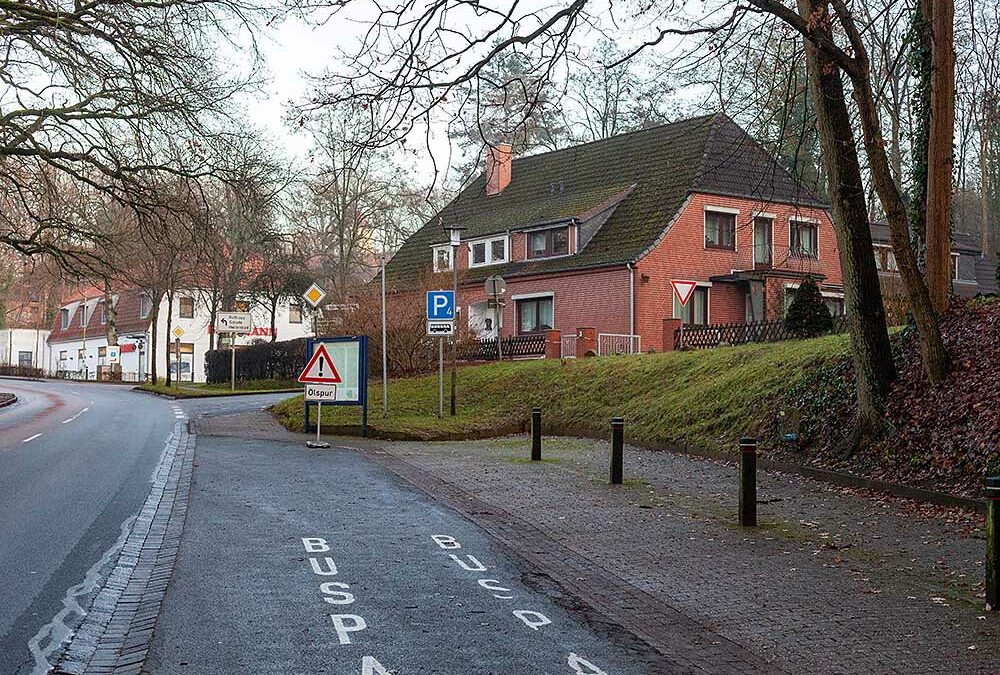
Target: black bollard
(536, 434)
(992, 543)
(617, 443)
(748, 482)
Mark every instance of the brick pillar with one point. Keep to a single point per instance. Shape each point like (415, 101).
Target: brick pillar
(670, 328)
(553, 344)
(586, 341)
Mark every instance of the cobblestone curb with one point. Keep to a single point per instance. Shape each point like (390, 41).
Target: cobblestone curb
(684, 646)
(115, 636)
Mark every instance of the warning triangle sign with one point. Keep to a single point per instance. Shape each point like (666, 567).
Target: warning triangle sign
(683, 290)
(320, 369)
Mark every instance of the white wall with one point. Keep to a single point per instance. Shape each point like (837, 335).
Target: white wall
(135, 365)
(13, 341)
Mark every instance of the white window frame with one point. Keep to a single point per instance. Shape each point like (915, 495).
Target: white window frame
(451, 257)
(809, 221)
(753, 234)
(736, 227)
(84, 319)
(143, 299)
(64, 318)
(957, 270)
(488, 243)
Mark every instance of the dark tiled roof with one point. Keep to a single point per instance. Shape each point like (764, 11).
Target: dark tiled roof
(961, 241)
(127, 319)
(664, 164)
(986, 274)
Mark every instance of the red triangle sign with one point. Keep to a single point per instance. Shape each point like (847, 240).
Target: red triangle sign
(683, 290)
(320, 369)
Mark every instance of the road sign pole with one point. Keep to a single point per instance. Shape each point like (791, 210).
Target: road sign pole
(232, 361)
(681, 340)
(440, 377)
(385, 353)
(177, 359)
(319, 418)
(454, 341)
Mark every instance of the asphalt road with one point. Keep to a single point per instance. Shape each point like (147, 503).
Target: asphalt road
(75, 463)
(300, 561)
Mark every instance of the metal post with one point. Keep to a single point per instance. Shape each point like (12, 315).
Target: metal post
(440, 377)
(177, 359)
(680, 343)
(748, 481)
(232, 361)
(454, 338)
(498, 313)
(319, 418)
(536, 434)
(385, 356)
(993, 543)
(617, 448)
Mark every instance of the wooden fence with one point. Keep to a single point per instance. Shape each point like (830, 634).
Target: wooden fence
(516, 346)
(724, 334)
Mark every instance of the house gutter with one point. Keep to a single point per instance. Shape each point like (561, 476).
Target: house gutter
(631, 298)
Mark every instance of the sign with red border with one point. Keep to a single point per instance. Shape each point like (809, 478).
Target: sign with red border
(683, 290)
(320, 369)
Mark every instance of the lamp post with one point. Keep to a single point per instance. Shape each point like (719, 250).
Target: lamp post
(455, 237)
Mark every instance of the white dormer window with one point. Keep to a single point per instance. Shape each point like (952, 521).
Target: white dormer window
(488, 252)
(83, 314)
(64, 318)
(442, 258)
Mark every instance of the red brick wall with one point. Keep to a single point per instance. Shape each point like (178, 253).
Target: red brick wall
(682, 255)
(596, 298)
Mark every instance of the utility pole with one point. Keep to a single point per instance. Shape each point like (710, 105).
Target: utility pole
(455, 238)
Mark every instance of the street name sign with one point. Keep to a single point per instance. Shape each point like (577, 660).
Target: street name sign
(314, 295)
(440, 305)
(320, 369)
(321, 392)
(233, 322)
(683, 290)
(440, 328)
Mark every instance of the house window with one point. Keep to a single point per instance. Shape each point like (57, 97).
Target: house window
(63, 355)
(102, 352)
(720, 230)
(145, 306)
(104, 314)
(546, 243)
(24, 359)
(835, 306)
(695, 312)
(803, 238)
(442, 258)
(84, 319)
(534, 315)
(294, 313)
(185, 308)
(64, 319)
(488, 252)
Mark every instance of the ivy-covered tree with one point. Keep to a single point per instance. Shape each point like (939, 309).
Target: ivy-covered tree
(808, 315)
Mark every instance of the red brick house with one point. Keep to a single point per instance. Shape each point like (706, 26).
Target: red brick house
(591, 236)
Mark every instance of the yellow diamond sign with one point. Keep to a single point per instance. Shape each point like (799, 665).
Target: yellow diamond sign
(178, 332)
(314, 295)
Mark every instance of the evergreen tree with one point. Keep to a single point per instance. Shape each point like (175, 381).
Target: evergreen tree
(808, 315)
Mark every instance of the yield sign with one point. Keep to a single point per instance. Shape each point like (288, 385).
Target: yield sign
(320, 369)
(683, 290)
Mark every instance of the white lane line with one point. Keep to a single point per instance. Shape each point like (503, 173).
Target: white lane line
(31, 438)
(76, 415)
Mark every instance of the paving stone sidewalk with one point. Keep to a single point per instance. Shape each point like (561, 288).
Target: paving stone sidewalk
(834, 581)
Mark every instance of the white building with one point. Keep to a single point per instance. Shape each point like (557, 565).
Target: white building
(78, 340)
(24, 347)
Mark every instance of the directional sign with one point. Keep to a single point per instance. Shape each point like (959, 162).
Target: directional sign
(320, 369)
(178, 332)
(440, 305)
(321, 392)
(683, 290)
(314, 295)
(233, 322)
(440, 328)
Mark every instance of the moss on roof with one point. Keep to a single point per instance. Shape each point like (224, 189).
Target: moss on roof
(665, 164)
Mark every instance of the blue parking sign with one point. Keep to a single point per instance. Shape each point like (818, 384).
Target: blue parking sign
(440, 305)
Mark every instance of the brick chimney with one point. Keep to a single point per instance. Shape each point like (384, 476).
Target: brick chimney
(498, 160)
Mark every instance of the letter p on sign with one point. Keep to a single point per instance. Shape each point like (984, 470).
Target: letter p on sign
(440, 305)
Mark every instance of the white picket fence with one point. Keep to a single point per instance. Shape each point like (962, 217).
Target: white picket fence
(616, 343)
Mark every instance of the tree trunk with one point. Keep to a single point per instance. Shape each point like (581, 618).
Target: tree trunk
(931, 346)
(940, 153)
(110, 315)
(870, 348)
(154, 315)
(274, 312)
(170, 315)
(920, 103)
(984, 176)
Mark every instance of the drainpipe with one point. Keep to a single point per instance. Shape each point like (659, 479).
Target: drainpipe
(631, 299)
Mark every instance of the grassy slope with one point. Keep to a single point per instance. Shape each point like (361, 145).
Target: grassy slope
(196, 389)
(706, 398)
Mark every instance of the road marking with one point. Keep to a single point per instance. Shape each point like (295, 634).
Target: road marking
(31, 438)
(76, 415)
